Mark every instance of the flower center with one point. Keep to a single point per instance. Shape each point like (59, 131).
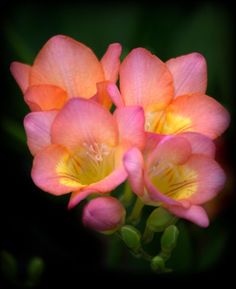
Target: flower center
(166, 123)
(175, 181)
(89, 164)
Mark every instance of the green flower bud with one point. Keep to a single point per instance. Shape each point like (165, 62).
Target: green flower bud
(159, 219)
(158, 264)
(169, 238)
(131, 236)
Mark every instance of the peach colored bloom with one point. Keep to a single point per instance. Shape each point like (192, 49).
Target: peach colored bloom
(80, 148)
(177, 172)
(104, 214)
(172, 94)
(66, 68)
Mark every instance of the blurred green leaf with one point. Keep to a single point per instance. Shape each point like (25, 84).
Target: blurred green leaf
(35, 270)
(15, 130)
(212, 251)
(9, 266)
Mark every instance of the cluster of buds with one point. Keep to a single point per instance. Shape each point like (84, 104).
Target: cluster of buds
(155, 133)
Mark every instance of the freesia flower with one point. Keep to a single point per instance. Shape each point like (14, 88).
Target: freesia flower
(104, 214)
(80, 148)
(176, 172)
(172, 93)
(63, 69)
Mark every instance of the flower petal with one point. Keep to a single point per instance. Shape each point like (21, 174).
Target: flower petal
(189, 73)
(68, 64)
(195, 214)
(84, 121)
(200, 144)
(38, 129)
(45, 97)
(21, 73)
(115, 95)
(102, 96)
(196, 113)
(111, 62)
(45, 172)
(210, 181)
(130, 121)
(134, 165)
(171, 149)
(145, 80)
(106, 185)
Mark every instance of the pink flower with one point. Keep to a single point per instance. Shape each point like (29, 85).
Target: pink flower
(172, 94)
(63, 69)
(176, 172)
(104, 214)
(80, 148)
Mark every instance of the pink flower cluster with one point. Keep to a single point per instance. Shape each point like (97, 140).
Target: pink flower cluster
(159, 137)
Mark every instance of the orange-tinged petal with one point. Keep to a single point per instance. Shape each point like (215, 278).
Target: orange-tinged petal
(45, 97)
(102, 96)
(68, 64)
(210, 178)
(189, 73)
(48, 173)
(38, 129)
(21, 73)
(111, 62)
(84, 122)
(195, 113)
(145, 80)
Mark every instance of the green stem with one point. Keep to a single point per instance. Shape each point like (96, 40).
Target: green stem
(136, 212)
(126, 198)
(147, 235)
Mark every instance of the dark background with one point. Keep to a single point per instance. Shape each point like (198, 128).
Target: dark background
(37, 226)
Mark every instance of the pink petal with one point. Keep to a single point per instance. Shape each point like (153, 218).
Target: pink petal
(83, 121)
(68, 64)
(134, 165)
(106, 185)
(195, 214)
(104, 214)
(45, 174)
(189, 73)
(152, 140)
(21, 73)
(171, 149)
(131, 125)
(115, 96)
(45, 97)
(200, 144)
(145, 80)
(206, 115)
(38, 129)
(111, 62)
(210, 180)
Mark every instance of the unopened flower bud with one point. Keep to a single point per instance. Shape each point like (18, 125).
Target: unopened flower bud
(169, 238)
(104, 214)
